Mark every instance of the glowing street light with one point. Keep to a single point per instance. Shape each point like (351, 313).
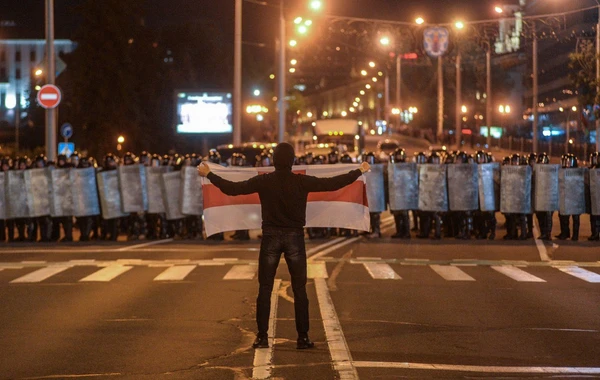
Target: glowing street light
(256, 92)
(385, 41)
(344, 113)
(297, 20)
(459, 25)
(293, 43)
(120, 139)
(316, 5)
(293, 62)
(498, 9)
(38, 72)
(363, 73)
(371, 64)
(463, 109)
(302, 29)
(419, 20)
(368, 86)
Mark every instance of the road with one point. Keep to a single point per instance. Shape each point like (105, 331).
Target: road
(380, 309)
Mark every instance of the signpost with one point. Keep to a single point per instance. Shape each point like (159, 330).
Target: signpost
(49, 96)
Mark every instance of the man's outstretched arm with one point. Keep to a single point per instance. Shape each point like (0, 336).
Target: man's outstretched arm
(315, 184)
(229, 187)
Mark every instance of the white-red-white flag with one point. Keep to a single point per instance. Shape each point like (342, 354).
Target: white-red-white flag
(345, 208)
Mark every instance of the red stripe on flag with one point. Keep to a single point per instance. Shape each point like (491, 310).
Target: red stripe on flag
(354, 193)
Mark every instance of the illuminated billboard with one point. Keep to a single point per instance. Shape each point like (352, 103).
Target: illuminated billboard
(204, 112)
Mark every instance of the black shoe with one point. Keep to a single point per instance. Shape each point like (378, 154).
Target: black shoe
(261, 341)
(304, 343)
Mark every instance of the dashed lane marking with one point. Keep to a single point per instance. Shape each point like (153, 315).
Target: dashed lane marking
(241, 272)
(106, 274)
(333, 248)
(316, 270)
(450, 273)
(582, 274)
(175, 273)
(263, 357)
(41, 274)
(142, 245)
(381, 271)
(517, 274)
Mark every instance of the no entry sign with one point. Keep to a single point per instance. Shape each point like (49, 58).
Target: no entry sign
(49, 96)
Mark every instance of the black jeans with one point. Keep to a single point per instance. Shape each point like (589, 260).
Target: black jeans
(291, 244)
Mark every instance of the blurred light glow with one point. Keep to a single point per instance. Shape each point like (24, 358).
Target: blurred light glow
(256, 92)
(297, 20)
(463, 109)
(498, 9)
(120, 139)
(10, 101)
(309, 114)
(459, 25)
(344, 113)
(419, 20)
(293, 43)
(385, 41)
(363, 73)
(293, 61)
(316, 5)
(272, 76)
(292, 70)
(371, 64)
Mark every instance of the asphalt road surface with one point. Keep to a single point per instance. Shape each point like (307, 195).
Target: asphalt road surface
(380, 309)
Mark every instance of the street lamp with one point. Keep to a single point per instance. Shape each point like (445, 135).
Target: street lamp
(459, 25)
(316, 5)
(498, 9)
(120, 141)
(419, 20)
(256, 92)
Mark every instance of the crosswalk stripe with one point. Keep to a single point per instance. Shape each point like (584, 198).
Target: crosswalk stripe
(516, 273)
(581, 273)
(106, 274)
(316, 270)
(175, 273)
(451, 273)
(41, 274)
(381, 271)
(241, 272)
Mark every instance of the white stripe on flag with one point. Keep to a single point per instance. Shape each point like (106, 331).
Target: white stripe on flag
(232, 218)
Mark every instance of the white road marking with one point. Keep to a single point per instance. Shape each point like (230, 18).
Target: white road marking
(381, 271)
(451, 273)
(87, 375)
(340, 353)
(516, 273)
(106, 274)
(316, 270)
(175, 273)
(539, 243)
(581, 273)
(142, 245)
(320, 247)
(263, 357)
(333, 248)
(40, 274)
(241, 272)
(478, 368)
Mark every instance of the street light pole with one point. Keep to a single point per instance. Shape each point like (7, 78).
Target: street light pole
(598, 77)
(535, 91)
(399, 87)
(237, 75)
(281, 98)
(50, 76)
(488, 91)
(440, 118)
(458, 125)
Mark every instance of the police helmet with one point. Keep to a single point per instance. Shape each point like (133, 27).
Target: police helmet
(74, 159)
(319, 160)
(481, 157)
(594, 160)
(346, 159)
(515, 159)
(543, 158)
(301, 160)
(370, 158)
(420, 158)
(532, 159)
(398, 155)
(109, 161)
(238, 159)
(61, 161)
(155, 161)
(461, 158)
(571, 161)
(434, 158)
(195, 159)
(40, 161)
(128, 159)
(333, 157)
(214, 156)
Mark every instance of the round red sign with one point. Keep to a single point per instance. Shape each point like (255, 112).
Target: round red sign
(49, 96)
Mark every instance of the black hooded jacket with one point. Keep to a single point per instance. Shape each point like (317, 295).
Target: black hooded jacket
(283, 194)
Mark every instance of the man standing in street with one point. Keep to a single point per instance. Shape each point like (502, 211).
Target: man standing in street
(283, 197)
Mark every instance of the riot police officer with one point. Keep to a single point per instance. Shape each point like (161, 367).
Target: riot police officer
(135, 222)
(531, 161)
(568, 161)
(41, 223)
(401, 217)
(485, 220)
(347, 159)
(514, 222)
(419, 158)
(144, 158)
(462, 220)
(7, 224)
(333, 157)
(594, 219)
(426, 218)
(110, 227)
(544, 218)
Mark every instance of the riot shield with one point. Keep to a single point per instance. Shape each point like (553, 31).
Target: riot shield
(376, 188)
(85, 193)
(153, 180)
(545, 197)
(16, 197)
(489, 186)
(37, 186)
(61, 199)
(3, 211)
(403, 186)
(433, 188)
(594, 176)
(110, 196)
(132, 184)
(515, 190)
(571, 184)
(463, 187)
(171, 193)
(191, 192)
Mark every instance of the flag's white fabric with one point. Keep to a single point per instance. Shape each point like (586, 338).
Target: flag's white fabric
(345, 208)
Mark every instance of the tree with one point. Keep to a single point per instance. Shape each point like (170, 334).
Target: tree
(582, 64)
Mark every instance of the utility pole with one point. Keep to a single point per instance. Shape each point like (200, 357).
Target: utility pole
(488, 99)
(458, 119)
(399, 87)
(535, 91)
(237, 75)
(440, 118)
(50, 76)
(281, 98)
(598, 78)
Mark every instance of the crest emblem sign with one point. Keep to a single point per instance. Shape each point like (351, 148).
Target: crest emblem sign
(435, 41)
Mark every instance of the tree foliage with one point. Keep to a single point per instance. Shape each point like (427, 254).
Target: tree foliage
(582, 65)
